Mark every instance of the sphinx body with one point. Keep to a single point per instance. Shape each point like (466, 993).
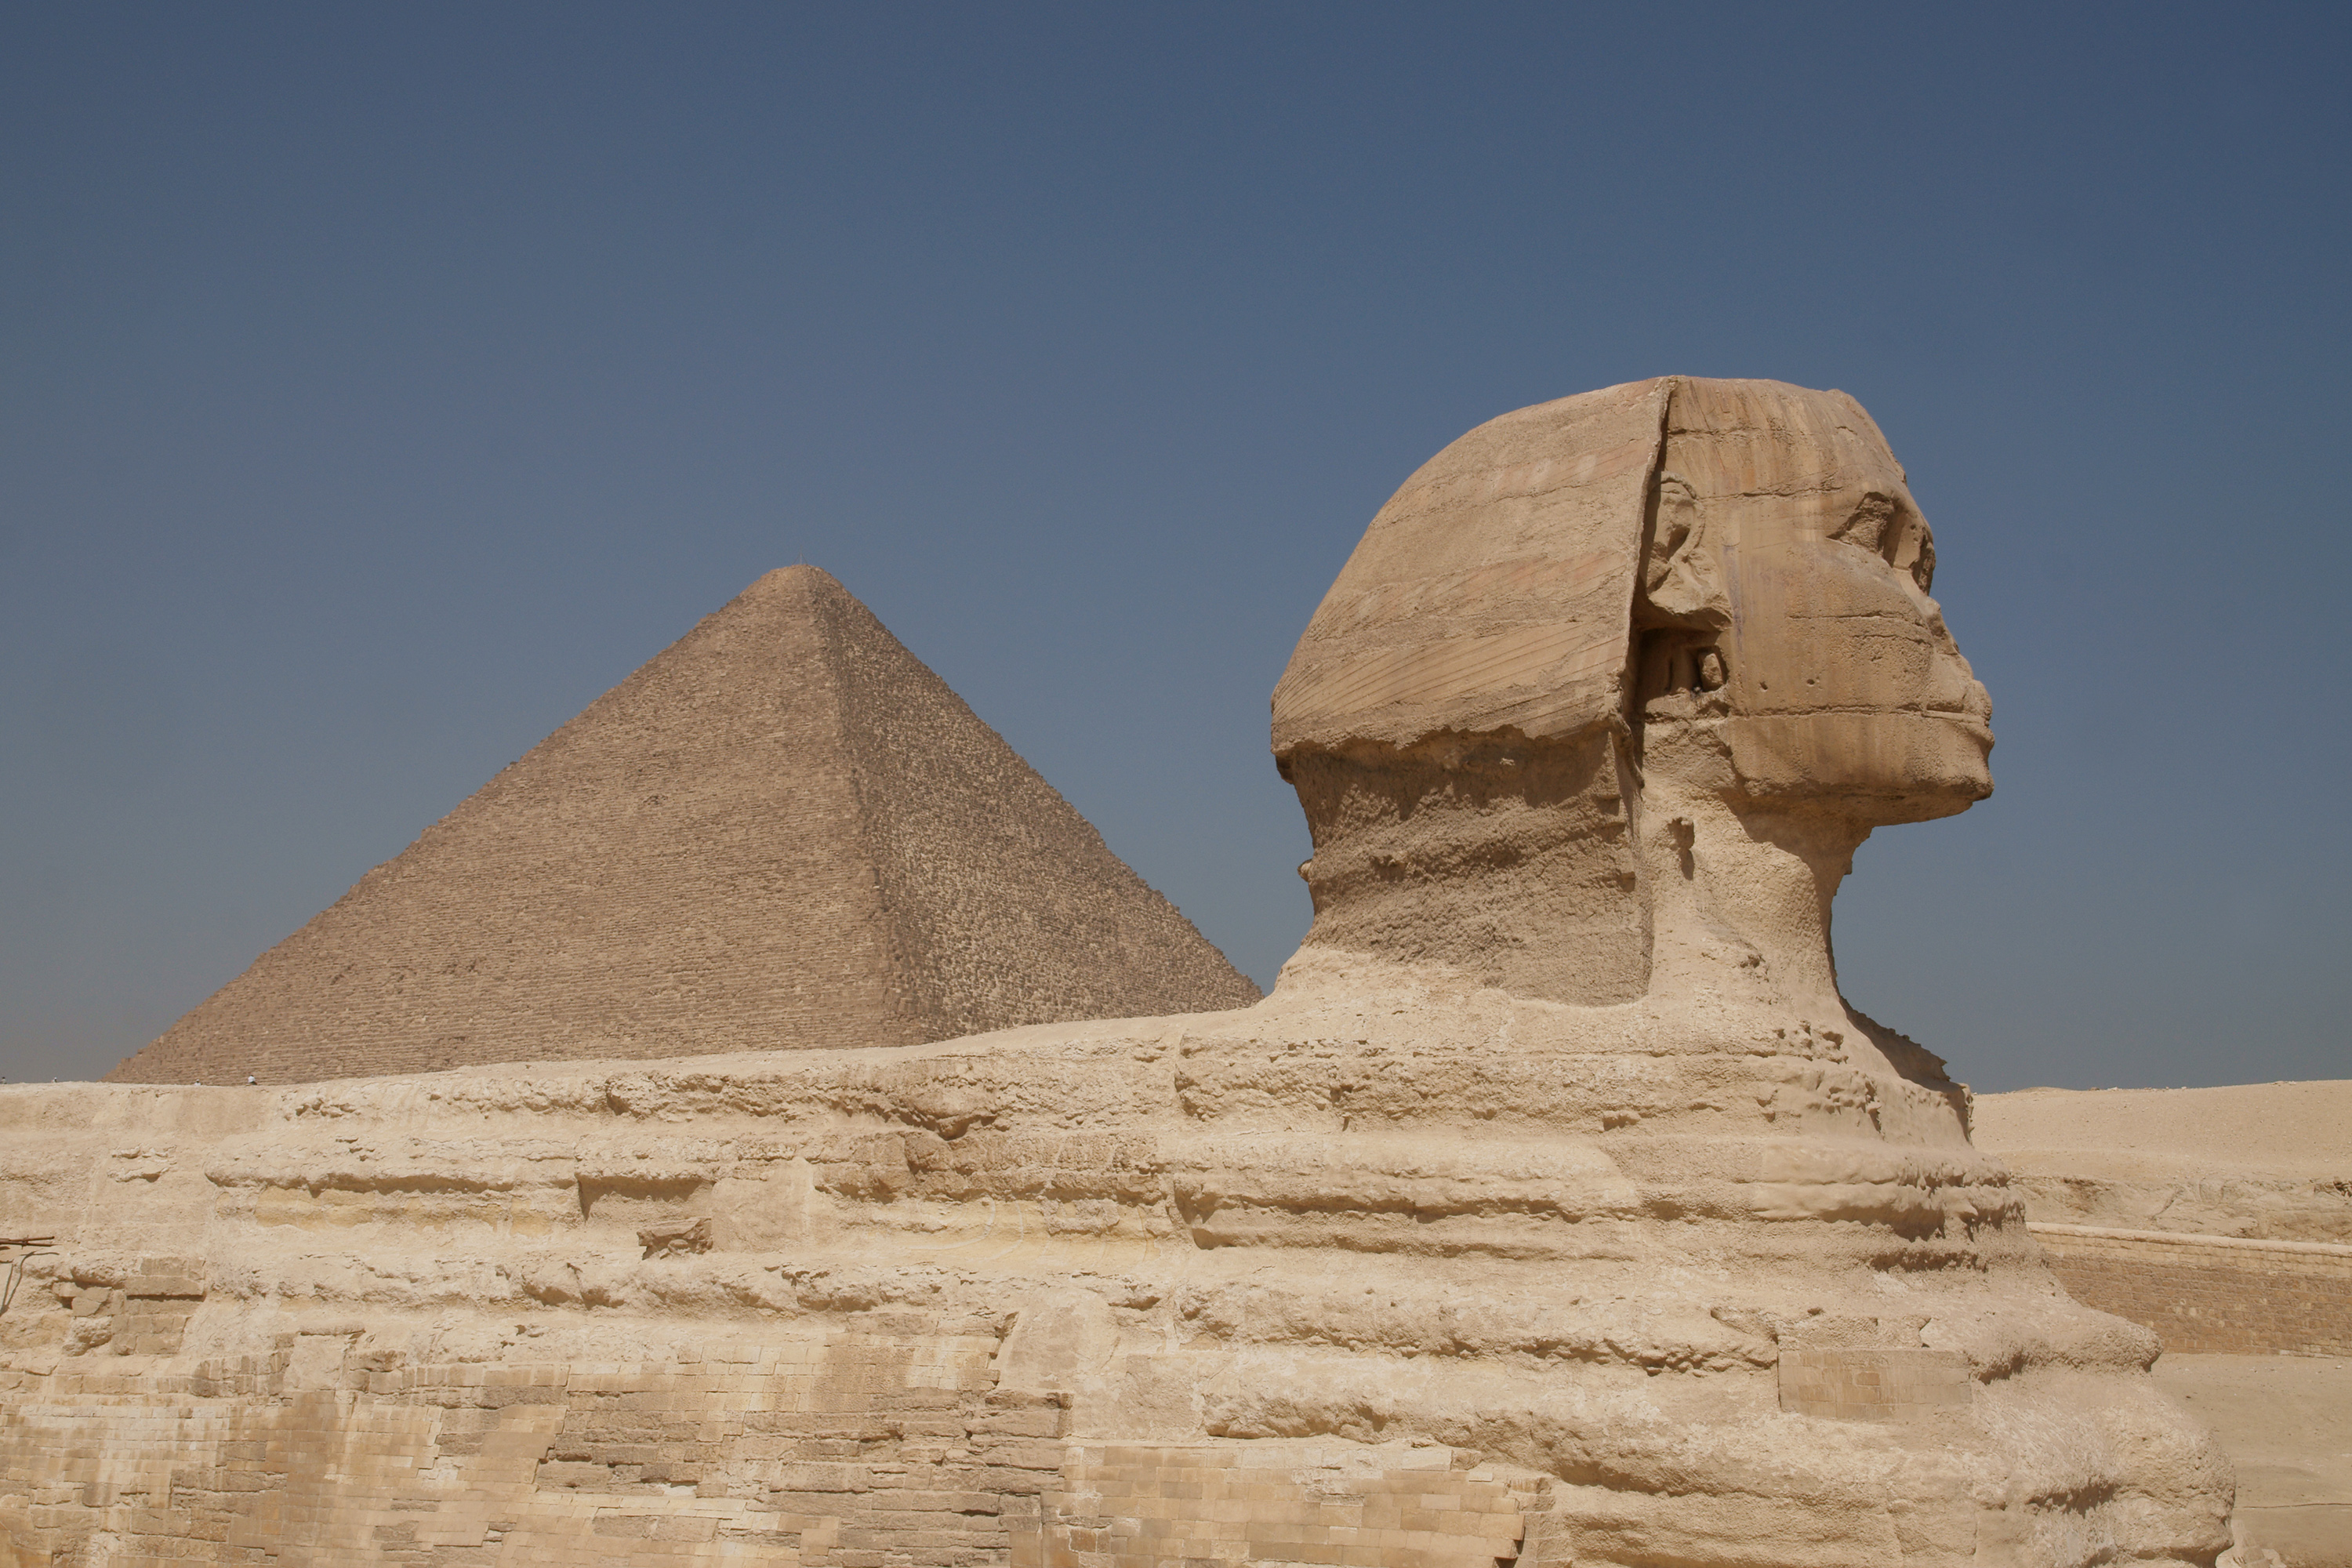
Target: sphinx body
(1554, 1207)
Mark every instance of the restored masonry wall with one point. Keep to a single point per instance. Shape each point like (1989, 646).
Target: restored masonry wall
(820, 1449)
(2219, 1293)
(843, 1450)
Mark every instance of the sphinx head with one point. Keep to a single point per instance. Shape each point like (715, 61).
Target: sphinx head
(1601, 665)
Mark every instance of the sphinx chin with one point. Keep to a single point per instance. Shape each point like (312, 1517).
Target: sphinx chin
(1882, 769)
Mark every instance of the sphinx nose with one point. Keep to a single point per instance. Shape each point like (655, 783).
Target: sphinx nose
(1953, 688)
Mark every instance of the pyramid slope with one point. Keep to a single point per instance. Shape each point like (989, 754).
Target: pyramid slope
(782, 832)
(1008, 907)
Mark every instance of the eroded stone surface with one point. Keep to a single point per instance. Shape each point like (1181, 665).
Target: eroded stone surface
(1570, 1244)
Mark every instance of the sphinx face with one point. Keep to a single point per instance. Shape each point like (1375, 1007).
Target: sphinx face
(1788, 578)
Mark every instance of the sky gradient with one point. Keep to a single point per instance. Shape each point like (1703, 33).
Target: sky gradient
(385, 382)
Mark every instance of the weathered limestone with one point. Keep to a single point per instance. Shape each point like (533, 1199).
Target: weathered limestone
(1555, 1167)
(1566, 1248)
(782, 832)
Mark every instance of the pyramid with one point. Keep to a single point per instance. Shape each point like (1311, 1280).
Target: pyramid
(783, 832)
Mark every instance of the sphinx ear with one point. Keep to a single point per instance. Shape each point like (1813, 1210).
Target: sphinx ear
(1681, 583)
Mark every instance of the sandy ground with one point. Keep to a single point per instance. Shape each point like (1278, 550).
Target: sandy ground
(2287, 1422)
(2261, 1161)
(2289, 1128)
(2253, 1160)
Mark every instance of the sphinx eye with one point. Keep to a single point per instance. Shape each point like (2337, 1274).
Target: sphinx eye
(1867, 524)
(1893, 533)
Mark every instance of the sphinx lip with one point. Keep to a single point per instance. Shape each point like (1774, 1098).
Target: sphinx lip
(1976, 729)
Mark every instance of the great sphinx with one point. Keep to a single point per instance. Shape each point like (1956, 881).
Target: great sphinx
(1554, 1209)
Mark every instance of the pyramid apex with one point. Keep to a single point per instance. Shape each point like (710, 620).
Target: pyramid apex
(801, 575)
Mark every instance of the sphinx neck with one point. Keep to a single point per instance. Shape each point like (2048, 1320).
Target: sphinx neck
(1740, 898)
(1507, 861)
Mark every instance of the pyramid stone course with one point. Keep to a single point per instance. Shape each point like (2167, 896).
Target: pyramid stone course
(782, 832)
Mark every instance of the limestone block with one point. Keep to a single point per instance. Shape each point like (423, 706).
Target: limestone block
(1061, 1340)
(1848, 1383)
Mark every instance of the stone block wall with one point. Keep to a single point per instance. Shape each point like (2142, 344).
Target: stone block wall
(1872, 1383)
(1202, 1290)
(1126, 1505)
(140, 1311)
(829, 1450)
(2210, 1293)
(837, 1449)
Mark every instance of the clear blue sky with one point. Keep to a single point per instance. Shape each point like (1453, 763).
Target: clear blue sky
(383, 381)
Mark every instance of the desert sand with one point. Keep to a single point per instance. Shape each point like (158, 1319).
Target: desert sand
(2269, 1160)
